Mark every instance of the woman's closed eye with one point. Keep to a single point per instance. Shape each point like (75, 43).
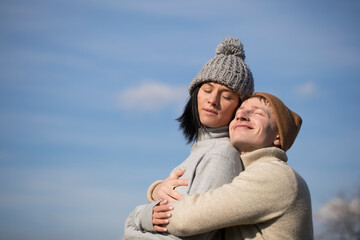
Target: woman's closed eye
(207, 90)
(227, 96)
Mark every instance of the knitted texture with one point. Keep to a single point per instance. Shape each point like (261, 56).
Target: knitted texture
(288, 122)
(228, 68)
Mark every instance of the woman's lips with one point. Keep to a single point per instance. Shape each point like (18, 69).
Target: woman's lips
(210, 111)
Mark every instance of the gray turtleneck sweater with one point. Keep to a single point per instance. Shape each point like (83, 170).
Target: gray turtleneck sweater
(212, 163)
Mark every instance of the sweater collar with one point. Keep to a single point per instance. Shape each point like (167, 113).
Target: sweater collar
(263, 154)
(211, 133)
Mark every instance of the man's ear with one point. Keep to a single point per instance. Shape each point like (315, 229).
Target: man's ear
(277, 142)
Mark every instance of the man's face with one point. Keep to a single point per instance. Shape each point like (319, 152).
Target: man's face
(254, 126)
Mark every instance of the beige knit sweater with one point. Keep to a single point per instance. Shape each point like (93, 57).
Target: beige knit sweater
(268, 200)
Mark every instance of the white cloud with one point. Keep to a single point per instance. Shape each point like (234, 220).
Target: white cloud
(338, 218)
(306, 90)
(150, 96)
(337, 208)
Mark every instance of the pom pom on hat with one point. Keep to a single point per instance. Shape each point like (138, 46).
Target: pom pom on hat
(231, 46)
(227, 67)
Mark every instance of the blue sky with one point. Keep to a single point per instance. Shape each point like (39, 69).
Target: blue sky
(89, 91)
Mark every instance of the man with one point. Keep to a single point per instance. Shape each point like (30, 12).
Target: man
(268, 200)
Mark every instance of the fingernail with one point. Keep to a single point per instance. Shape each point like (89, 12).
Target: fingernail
(168, 214)
(171, 207)
(167, 221)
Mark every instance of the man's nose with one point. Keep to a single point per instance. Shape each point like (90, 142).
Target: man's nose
(242, 115)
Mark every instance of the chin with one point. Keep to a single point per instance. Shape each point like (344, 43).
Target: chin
(236, 145)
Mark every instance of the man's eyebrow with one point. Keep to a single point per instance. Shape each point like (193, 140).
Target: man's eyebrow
(256, 107)
(253, 108)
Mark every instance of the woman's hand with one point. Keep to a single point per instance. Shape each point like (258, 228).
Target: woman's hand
(160, 217)
(165, 190)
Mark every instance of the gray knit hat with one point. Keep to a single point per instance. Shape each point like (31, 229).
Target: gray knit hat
(228, 68)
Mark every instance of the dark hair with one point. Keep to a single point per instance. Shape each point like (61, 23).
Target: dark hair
(189, 120)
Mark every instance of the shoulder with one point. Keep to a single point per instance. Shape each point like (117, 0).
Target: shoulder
(286, 182)
(302, 186)
(276, 170)
(222, 147)
(222, 155)
(221, 160)
(277, 175)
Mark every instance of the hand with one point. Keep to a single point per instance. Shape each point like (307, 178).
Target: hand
(165, 190)
(160, 217)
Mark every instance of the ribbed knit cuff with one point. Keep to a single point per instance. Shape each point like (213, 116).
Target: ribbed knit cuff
(151, 189)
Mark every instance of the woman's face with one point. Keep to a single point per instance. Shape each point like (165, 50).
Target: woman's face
(216, 104)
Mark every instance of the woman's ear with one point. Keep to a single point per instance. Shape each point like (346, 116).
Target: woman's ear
(277, 141)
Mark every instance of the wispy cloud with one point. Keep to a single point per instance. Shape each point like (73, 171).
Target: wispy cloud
(337, 207)
(306, 90)
(150, 96)
(339, 217)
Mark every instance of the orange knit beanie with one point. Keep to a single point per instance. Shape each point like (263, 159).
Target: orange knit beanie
(288, 122)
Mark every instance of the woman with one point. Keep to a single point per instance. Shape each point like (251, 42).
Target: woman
(215, 94)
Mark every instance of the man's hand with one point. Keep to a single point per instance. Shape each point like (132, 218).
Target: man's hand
(165, 190)
(160, 217)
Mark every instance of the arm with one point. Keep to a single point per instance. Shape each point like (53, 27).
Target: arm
(141, 218)
(218, 166)
(133, 230)
(262, 192)
(214, 170)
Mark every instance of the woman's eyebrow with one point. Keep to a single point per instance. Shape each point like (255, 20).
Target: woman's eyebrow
(226, 90)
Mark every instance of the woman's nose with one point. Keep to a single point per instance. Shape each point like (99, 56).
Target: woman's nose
(214, 99)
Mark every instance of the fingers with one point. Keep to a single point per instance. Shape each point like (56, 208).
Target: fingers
(165, 190)
(160, 217)
(163, 202)
(162, 208)
(167, 195)
(178, 173)
(171, 196)
(174, 196)
(160, 228)
(180, 182)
